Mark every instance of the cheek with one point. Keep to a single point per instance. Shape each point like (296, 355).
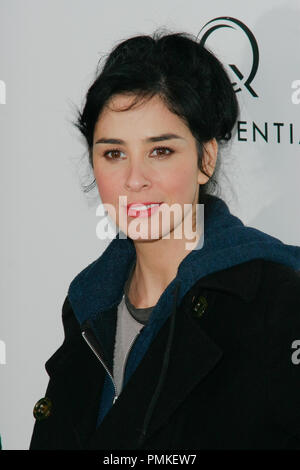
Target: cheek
(182, 181)
(108, 187)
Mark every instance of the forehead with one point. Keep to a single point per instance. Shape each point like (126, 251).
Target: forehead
(146, 116)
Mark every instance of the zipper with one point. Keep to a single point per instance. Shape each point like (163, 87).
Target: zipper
(84, 334)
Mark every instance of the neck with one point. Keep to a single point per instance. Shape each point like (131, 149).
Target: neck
(157, 263)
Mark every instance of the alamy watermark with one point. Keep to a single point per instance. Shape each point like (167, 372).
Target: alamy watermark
(296, 354)
(2, 352)
(2, 92)
(152, 222)
(296, 94)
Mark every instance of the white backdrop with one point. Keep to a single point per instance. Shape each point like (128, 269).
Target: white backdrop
(49, 50)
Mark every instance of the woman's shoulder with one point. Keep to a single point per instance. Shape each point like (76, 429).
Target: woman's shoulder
(282, 345)
(277, 272)
(281, 283)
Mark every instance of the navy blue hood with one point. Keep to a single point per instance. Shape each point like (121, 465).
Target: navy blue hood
(227, 242)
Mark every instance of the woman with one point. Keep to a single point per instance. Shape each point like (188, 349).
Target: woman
(172, 343)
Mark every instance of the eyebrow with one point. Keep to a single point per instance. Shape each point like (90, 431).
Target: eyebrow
(157, 138)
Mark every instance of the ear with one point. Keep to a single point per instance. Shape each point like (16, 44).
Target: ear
(209, 160)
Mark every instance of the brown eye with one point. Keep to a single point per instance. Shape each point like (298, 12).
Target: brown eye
(162, 151)
(112, 154)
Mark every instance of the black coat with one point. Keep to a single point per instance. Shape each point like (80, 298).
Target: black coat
(233, 379)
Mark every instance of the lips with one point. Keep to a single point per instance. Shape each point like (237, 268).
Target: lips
(142, 209)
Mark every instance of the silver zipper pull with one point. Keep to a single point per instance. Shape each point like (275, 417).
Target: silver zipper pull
(115, 399)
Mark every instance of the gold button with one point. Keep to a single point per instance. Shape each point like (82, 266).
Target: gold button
(200, 306)
(42, 409)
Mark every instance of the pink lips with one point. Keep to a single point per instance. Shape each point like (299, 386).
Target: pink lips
(140, 210)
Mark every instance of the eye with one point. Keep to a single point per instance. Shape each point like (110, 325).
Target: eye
(114, 154)
(162, 151)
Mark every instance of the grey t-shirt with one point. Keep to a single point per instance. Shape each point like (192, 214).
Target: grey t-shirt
(129, 323)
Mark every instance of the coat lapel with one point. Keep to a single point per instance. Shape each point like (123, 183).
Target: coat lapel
(190, 362)
(193, 356)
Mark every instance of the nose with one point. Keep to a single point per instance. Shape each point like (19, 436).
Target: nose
(137, 177)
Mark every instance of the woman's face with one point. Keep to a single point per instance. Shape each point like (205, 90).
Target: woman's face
(147, 154)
